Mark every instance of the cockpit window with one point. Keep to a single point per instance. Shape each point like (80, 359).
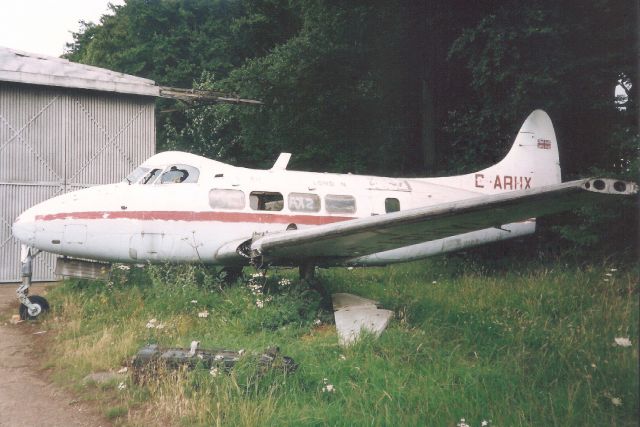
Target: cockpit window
(134, 176)
(151, 176)
(176, 174)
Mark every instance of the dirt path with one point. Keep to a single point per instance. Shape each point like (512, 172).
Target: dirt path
(26, 397)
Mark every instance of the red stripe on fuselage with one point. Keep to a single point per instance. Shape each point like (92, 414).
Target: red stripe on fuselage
(197, 216)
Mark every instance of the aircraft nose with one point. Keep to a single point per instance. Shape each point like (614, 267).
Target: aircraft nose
(24, 228)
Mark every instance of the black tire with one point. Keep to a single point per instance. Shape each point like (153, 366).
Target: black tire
(35, 299)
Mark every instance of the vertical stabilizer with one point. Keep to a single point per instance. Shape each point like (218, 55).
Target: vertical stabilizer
(533, 161)
(534, 153)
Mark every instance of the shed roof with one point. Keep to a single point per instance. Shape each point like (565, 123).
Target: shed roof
(31, 68)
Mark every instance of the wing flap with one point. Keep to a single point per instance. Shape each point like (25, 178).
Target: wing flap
(365, 236)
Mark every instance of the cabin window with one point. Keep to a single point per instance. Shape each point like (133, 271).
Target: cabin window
(340, 204)
(226, 199)
(304, 202)
(134, 176)
(176, 174)
(391, 205)
(150, 177)
(266, 201)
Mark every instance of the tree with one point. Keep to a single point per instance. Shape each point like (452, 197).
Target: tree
(393, 87)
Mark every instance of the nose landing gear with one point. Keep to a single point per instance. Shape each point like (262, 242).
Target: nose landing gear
(33, 306)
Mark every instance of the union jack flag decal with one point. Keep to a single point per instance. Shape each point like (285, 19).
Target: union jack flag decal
(544, 144)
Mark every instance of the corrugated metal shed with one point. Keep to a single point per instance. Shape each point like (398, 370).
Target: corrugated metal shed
(64, 126)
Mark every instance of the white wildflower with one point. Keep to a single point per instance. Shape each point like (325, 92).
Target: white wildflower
(203, 314)
(259, 303)
(608, 274)
(349, 268)
(194, 301)
(434, 282)
(123, 267)
(329, 388)
(462, 423)
(616, 401)
(284, 282)
(317, 322)
(123, 370)
(122, 386)
(152, 323)
(593, 365)
(484, 423)
(623, 342)
(218, 357)
(214, 372)
(613, 269)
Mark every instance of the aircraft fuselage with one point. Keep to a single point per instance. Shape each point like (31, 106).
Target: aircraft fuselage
(154, 219)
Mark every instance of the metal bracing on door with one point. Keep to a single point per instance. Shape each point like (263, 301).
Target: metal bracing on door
(54, 140)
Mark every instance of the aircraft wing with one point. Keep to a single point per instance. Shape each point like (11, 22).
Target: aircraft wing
(363, 236)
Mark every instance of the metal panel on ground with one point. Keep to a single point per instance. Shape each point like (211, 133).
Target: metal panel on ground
(56, 140)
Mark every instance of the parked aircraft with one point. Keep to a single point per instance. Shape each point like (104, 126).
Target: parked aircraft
(178, 207)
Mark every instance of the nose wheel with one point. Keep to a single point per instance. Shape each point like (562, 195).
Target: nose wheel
(30, 306)
(38, 306)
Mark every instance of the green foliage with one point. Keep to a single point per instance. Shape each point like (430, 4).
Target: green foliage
(115, 412)
(527, 345)
(370, 87)
(565, 58)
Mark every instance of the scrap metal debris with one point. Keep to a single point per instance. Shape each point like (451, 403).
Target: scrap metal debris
(152, 357)
(355, 314)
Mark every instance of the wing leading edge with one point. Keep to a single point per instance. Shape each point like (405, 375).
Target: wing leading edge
(348, 239)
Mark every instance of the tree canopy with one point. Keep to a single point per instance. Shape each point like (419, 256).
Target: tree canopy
(384, 87)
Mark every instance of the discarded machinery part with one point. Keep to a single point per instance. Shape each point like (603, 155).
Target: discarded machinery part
(152, 357)
(354, 314)
(82, 269)
(191, 95)
(344, 300)
(30, 307)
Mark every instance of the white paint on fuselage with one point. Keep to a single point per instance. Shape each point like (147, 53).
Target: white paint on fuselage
(87, 223)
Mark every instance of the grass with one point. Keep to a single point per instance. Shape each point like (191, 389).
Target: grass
(519, 346)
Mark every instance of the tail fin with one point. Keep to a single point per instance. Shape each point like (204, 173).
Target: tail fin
(534, 153)
(533, 161)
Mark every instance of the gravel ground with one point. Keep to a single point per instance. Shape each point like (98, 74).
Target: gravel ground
(27, 398)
